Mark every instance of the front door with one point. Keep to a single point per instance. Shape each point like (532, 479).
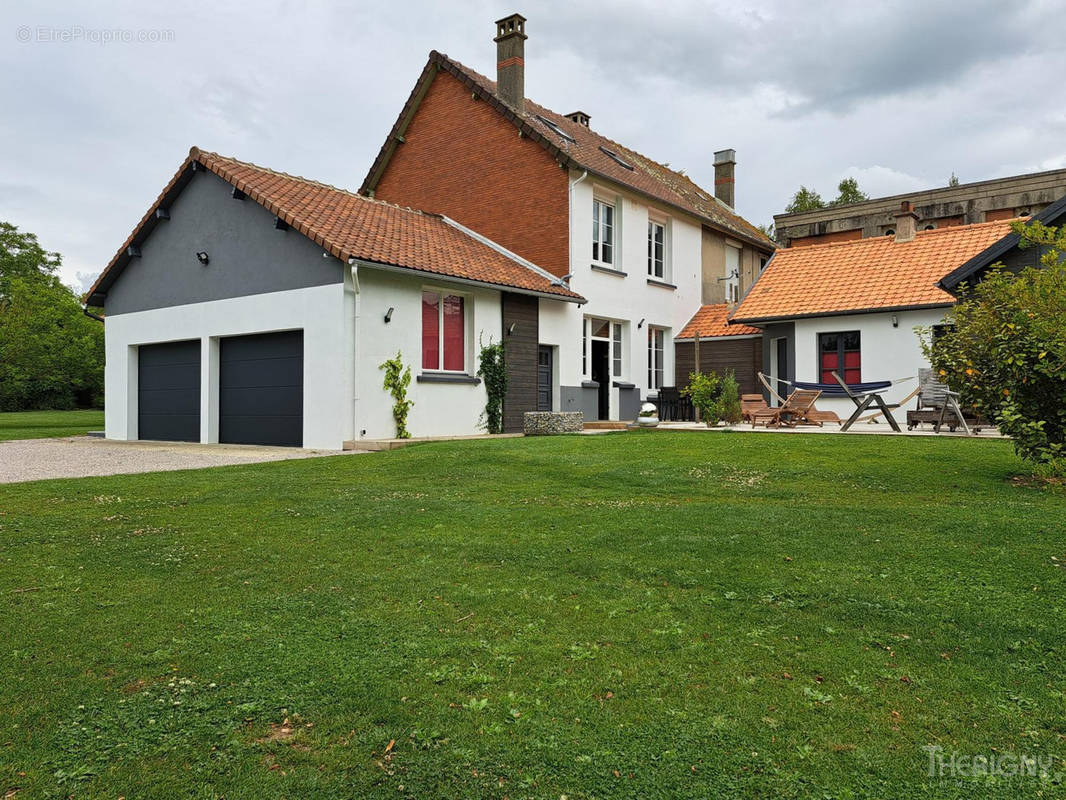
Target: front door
(601, 373)
(781, 367)
(544, 378)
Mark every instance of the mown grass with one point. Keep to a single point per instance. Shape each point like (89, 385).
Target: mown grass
(635, 615)
(48, 424)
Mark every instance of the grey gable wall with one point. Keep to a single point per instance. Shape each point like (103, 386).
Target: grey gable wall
(247, 255)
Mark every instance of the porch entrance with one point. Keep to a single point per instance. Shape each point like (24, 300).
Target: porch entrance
(601, 373)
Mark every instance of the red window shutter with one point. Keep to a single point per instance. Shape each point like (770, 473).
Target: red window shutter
(430, 331)
(454, 323)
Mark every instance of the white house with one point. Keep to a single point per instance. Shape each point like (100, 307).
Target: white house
(250, 306)
(853, 306)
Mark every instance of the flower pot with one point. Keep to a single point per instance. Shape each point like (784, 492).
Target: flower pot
(648, 422)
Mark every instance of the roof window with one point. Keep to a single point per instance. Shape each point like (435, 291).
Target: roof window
(615, 157)
(556, 129)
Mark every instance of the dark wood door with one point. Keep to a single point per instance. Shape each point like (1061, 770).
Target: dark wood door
(601, 373)
(544, 378)
(782, 367)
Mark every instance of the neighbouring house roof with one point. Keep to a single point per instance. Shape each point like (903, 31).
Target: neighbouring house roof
(573, 144)
(348, 225)
(986, 258)
(712, 322)
(866, 275)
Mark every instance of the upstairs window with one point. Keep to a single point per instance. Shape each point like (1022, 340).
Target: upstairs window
(656, 250)
(732, 274)
(443, 332)
(602, 232)
(656, 337)
(840, 352)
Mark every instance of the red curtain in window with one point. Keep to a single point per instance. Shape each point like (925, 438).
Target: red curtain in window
(430, 330)
(852, 367)
(829, 363)
(454, 351)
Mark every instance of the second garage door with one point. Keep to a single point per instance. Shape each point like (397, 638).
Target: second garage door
(261, 389)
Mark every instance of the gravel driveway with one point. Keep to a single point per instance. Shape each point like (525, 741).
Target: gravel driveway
(82, 456)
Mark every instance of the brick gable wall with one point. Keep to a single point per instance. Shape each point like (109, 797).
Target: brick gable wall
(461, 158)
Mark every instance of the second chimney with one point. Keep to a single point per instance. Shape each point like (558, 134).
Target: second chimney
(511, 61)
(725, 162)
(906, 222)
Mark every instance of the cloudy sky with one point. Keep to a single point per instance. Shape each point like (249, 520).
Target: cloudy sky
(899, 94)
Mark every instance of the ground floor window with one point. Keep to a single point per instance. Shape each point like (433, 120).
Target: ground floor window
(443, 331)
(656, 337)
(842, 353)
(610, 333)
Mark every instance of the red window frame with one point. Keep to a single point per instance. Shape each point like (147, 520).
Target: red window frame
(443, 332)
(840, 351)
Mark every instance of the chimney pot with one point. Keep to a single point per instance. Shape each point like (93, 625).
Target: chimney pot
(580, 117)
(725, 162)
(510, 61)
(906, 222)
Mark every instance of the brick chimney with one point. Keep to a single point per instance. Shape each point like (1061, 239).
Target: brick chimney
(725, 162)
(510, 61)
(906, 222)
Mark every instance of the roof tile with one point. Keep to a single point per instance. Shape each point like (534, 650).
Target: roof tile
(711, 322)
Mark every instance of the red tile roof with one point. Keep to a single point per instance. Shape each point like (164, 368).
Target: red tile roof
(711, 321)
(348, 225)
(581, 148)
(872, 274)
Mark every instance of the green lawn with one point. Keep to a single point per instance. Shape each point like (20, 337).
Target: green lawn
(47, 424)
(638, 615)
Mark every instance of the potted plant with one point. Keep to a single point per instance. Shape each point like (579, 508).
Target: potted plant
(648, 417)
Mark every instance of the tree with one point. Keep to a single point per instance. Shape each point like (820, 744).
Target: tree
(848, 191)
(768, 231)
(1005, 351)
(805, 200)
(51, 354)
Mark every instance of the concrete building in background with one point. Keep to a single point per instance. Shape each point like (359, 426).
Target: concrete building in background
(965, 204)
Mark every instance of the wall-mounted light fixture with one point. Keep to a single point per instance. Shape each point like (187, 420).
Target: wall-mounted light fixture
(512, 328)
(203, 257)
(640, 324)
(895, 321)
(388, 315)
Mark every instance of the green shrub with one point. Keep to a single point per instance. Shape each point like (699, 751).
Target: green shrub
(1005, 351)
(729, 400)
(397, 379)
(493, 370)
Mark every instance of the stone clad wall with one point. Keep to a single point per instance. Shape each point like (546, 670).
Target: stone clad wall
(545, 423)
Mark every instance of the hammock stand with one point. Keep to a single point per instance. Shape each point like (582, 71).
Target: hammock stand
(836, 390)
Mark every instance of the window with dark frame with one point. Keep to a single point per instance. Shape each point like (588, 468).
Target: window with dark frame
(602, 232)
(656, 250)
(443, 332)
(840, 352)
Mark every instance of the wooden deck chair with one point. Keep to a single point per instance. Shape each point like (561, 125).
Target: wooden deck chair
(863, 401)
(750, 405)
(796, 410)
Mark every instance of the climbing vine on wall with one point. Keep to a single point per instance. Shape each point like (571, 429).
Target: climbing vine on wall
(397, 379)
(493, 371)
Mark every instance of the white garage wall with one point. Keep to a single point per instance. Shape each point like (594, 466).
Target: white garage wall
(888, 352)
(440, 409)
(318, 311)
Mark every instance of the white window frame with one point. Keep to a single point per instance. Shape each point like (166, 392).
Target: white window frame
(662, 223)
(732, 277)
(656, 377)
(599, 232)
(441, 293)
(615, 340)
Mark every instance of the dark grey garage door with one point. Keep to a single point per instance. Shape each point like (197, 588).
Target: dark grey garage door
(261, 389)
(168, 391)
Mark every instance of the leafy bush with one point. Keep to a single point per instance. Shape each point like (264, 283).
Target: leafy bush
(1005, 351)
(715, 397)
(397, 379)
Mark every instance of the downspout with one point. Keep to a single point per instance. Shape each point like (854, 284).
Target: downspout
(570, 250)
(355, 352)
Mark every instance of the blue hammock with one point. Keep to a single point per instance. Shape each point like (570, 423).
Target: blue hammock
(836, 390)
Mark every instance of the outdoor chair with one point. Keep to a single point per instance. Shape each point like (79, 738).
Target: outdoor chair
(796, 410)
(938, 405)
(750, 405)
